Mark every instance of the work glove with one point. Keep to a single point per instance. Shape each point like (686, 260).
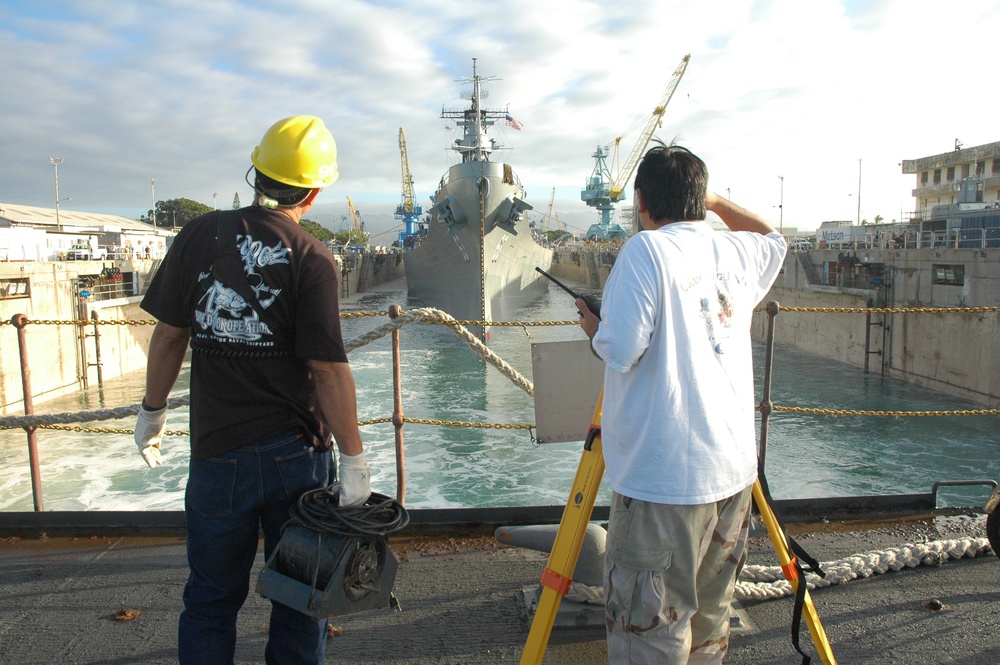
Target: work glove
(355, 480)
(149, 432)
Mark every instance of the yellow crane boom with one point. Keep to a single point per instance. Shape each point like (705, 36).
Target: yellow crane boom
(407, 204)
(548, 217)
(354, 216)
(647, 133)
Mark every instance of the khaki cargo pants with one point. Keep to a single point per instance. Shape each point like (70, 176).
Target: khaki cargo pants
(669, 574)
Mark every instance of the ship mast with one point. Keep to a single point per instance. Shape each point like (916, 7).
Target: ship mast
(475, 145)
(480, 154)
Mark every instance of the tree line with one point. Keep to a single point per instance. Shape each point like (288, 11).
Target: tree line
(175, 213)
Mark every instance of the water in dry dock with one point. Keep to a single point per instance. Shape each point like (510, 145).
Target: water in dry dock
(808, 455)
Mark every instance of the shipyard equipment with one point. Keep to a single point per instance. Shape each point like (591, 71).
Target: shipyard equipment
(604, 189)
(407, 211)
(548, 215)
(361, 237)
(333, 561)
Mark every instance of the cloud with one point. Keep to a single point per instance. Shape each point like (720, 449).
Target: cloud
(181, 91)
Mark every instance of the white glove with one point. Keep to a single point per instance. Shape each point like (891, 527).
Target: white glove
(149, 432)
(355, 480)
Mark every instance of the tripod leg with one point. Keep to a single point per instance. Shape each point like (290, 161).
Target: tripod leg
(791, 574)
(556, 578)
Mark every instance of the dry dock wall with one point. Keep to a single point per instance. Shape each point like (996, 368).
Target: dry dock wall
(588, 265)
(952, 351)
(60, 353)
(955, 352)
(360, 272)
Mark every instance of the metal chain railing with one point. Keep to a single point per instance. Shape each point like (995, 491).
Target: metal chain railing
(888, 414)
(437, 317)
(399, 318)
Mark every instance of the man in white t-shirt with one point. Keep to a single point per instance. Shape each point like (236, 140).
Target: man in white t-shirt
(678, 427)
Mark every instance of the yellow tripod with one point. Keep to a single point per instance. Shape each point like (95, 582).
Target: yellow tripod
(556, 578)
(569, 539)
(791, 573)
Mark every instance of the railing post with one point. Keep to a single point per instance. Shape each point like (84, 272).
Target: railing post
(397, 408)
(766, 404)
(97, 350)
(19, 321)
(868, 333)
(83, 367)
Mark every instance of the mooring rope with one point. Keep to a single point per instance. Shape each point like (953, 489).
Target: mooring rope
(432, 315)
(10, 422)
(769, 583)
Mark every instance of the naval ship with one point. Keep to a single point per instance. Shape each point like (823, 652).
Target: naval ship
(478, 256)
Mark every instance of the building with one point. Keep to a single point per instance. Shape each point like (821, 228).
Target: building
(958, 197)
(28, 233)
(939, 176)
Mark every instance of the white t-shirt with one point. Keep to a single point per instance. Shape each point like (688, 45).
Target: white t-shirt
(678, 419)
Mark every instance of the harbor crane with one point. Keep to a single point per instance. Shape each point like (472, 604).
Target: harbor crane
(604, 190)
(548, 216)
(407, 211)
(359, 226)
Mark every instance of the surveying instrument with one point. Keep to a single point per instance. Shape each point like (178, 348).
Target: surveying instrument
(557, 576)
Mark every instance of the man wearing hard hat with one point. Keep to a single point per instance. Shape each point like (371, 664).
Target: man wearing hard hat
(255, 296)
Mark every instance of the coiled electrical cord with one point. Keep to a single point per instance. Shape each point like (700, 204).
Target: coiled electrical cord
(318, 510)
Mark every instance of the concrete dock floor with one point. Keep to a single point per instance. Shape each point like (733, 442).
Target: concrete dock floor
(462, 600)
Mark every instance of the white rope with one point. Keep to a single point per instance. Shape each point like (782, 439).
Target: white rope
(769, 583)
(582, 593)
(83, 416)
(432, 315)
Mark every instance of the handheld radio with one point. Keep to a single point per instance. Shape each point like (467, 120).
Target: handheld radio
(593, 304)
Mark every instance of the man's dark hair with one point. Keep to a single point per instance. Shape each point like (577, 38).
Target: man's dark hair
(285, 195)
(674, 182)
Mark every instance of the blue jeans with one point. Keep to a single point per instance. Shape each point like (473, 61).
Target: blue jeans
(228, 500)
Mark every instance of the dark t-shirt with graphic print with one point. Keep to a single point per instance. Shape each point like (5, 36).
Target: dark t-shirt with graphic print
(257, 313)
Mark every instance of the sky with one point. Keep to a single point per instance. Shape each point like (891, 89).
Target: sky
(799, 108)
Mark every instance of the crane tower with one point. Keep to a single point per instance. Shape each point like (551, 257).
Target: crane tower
(407, 211)
(359, 225)
(604, 190)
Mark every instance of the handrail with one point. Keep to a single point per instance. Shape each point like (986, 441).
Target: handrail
(399, 318)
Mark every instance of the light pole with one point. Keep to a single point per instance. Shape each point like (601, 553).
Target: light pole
(859, 192)
(56, 161)
(728, 198)
(781, 207)
(152, 200)
(214, 204)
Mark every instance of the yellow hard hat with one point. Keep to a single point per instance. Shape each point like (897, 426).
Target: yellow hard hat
(298, 151)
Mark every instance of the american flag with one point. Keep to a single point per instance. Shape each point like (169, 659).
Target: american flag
(514, 123)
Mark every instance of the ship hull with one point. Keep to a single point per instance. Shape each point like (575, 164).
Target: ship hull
(478, 260)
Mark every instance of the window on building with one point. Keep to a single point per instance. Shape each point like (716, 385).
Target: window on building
(948, 275)
(951, 173)
(980, 168)
(937, 176)
(923, 175)
(996, 166)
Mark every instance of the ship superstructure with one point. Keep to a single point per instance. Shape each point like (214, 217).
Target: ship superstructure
(477, 260)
